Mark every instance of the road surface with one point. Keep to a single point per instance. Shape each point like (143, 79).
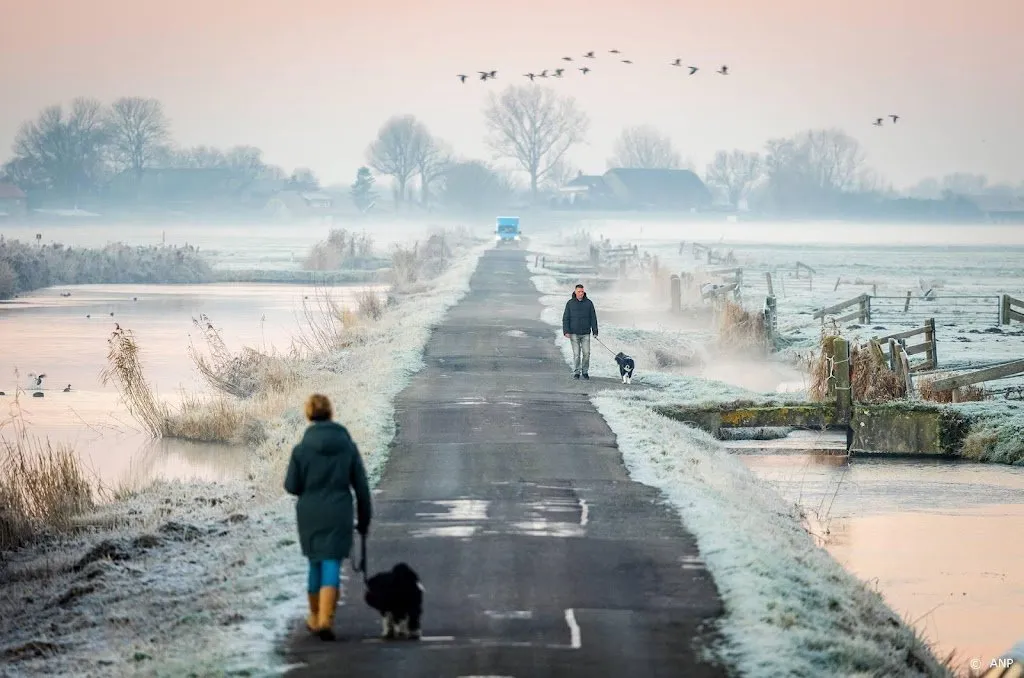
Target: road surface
(505, 490)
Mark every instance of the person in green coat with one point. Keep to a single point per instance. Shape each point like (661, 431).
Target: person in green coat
(324, 470)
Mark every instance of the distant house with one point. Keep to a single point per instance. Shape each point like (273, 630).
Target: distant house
(1000, 208)
(13, 202)
(639, 189)
(585, 189)
(291, 204)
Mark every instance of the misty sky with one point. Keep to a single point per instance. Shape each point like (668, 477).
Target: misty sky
(310, 81)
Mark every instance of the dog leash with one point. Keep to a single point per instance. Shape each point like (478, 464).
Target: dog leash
(361, 566)
(605, 347)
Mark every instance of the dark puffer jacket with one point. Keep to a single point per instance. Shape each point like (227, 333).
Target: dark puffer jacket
(580, 316)
(324, 470)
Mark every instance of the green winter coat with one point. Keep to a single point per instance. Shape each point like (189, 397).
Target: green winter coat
(324, 469)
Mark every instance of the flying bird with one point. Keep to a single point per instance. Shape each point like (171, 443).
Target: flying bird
(566, 58)
(878, 122)
(693, 69)
(724, 70)
(483, 75)
(543, 74)
(894, 118)
(558, 72)
(589, 55)
(493, 74)
(585, 70)
(38, 379)
(462, 77)
(531, 76)
(626, 61)
(614, 51)
(677, 62)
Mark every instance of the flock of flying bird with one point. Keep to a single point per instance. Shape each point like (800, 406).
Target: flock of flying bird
(559, 72)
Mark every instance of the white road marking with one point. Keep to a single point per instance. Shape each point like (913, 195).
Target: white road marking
(511, 614)
(574, 629)
(584, 512)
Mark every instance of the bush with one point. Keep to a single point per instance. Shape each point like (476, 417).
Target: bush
(341, 250)
(33, 267)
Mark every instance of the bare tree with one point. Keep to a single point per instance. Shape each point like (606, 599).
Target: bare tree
(63, 152)
(535, 127)
(397, 150)
(304, 179)
(474, 186)
(561, 173)
(734, 173)
(812, 168)
(964, 183)
(138, 131)
(432, 160)
(645, 147)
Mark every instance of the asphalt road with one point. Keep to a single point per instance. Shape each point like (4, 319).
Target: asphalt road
(506, 492)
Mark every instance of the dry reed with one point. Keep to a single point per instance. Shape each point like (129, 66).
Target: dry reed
(741, 330)
(871, 379)
(43, 486)
(244, 374)
(340, 249)
(969, 393)
(124, 370)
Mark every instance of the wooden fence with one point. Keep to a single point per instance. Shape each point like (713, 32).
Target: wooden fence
(862, 314)
(1011, 309)
(967, 309)
(893, 345)
(1003, 371)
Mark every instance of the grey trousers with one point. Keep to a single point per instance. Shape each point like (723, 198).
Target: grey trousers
(580, 353)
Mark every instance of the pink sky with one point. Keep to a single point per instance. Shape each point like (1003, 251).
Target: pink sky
(310, 81)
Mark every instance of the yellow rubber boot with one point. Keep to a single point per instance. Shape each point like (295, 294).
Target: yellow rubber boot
(313, 620)
(328, 603)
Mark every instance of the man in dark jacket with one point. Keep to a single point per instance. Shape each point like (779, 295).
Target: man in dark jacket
(324, 469)
(579, 321)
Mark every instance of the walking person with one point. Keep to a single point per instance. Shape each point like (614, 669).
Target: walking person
(579, 321)
(324, 471)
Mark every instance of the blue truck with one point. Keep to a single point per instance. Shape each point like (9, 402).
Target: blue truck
(507, 230)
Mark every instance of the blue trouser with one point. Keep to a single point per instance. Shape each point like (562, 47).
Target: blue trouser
(323, 573)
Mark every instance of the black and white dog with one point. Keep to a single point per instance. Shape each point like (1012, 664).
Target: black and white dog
(626, 366)
(398, 596)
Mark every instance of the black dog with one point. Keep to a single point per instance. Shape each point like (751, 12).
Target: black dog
(626, 366)
(398, 596)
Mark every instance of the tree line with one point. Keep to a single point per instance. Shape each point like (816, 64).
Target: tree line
(534, 128)
(75, 151)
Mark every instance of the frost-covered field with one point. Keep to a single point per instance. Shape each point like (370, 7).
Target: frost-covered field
(203, 579)
(791, 609)
(966, 283)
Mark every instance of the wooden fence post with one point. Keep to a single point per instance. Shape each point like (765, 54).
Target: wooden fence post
(929, 337)
(905, 369)
(893, 360)
(906, 304)
(1004, 310)
(768, 277)
(544, 262)
(841, 371)
(865, 309)
(838, 280)
(771, 317)
(675, 292)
